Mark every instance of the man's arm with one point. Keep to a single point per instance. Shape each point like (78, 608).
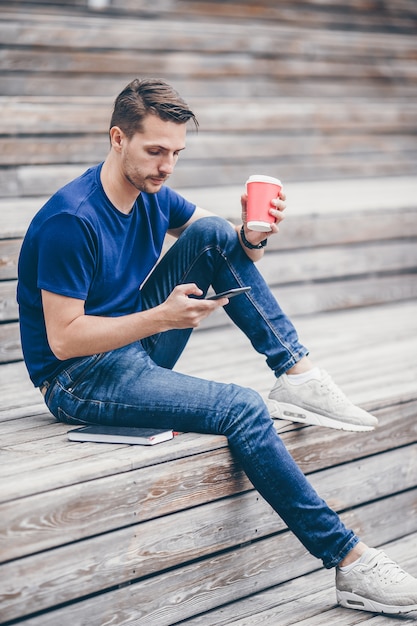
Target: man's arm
(72, 333)
(253, 237)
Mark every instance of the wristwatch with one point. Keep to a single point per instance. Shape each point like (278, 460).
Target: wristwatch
(250, 245)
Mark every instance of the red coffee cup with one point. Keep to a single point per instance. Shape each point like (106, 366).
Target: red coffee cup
(261, 190)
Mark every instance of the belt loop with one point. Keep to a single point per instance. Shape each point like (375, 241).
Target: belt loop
(44, 388)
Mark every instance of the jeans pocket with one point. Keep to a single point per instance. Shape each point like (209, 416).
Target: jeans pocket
(63, 417)
(78, 372)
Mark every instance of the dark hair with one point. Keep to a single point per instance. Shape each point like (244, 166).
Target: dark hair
(148, 96)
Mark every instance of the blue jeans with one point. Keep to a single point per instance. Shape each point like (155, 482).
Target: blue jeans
(136, 385)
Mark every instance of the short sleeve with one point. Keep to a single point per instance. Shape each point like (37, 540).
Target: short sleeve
(180, 209)
(66, 256)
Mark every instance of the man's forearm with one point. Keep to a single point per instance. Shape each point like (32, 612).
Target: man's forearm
(89, 334)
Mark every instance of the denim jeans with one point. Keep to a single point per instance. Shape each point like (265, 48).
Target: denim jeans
(137, 386)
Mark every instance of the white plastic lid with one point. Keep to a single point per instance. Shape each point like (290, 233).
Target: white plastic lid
(259, 178)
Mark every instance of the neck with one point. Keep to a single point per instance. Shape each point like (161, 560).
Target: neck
(118, 190)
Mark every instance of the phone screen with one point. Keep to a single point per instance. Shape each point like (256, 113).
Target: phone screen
(229, 294)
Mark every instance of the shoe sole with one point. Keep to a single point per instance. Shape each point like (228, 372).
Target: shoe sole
(352, 601)
(293, 413)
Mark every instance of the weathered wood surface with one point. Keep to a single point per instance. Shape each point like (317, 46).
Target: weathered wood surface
(274, 95)
(46, 143)
(358, 14)
(119, 501)
(130, 555)
(369, 334)
(364, 254)
(306, 601)
(33, 115)
(193, 588)
(98, 534)
(43, 28)
(135, 552)
(103, 505)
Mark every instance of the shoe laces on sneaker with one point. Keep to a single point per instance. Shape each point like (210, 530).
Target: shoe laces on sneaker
(329, 387)
(388, 570)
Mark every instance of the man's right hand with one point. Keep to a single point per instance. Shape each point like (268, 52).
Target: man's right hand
(71, 333)
(180, 311)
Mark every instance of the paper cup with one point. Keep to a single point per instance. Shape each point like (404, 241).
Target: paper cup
(261, 190)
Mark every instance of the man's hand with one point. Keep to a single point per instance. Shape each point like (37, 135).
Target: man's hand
(72, 333)
(180, 311)
(277, 209)
(254, 237)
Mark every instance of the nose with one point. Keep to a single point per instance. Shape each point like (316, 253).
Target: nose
(167, 164)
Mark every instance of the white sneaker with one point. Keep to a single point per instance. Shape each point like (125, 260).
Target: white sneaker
(319, 402)
(378, 585)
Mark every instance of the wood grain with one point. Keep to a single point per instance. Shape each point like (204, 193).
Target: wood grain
(98, 535)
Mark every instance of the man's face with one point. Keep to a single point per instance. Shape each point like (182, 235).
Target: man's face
(149, 158)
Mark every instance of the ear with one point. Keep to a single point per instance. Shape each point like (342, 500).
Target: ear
(117, 137)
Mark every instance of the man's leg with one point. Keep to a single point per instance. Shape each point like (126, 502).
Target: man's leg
(209, 253)
(126, 388)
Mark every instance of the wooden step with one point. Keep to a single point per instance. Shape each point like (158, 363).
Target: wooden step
(308, 600)
(205, 57)
(361, 15)
(89, 115)
(76, 495)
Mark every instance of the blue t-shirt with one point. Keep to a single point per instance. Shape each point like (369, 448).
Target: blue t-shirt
(79, 245)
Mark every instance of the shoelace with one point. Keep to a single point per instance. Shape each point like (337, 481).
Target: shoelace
(389, 570)
(331, 387)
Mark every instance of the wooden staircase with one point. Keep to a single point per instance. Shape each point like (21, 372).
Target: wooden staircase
(322, 95)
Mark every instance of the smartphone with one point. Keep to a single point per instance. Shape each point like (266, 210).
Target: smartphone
(229, 294)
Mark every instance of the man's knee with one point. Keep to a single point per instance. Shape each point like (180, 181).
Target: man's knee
(245, 409)
(213, 229)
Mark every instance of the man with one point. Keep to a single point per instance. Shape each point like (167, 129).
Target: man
(103, 324)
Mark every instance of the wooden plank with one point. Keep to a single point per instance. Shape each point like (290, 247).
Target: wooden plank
(338, 296)
(304, 598)
(296, 299)
(17, 213)
(338, 223)
(296, 233)
(300, 266)
(208, 582)
(25, 83)
(339, 114)
(398, 17)
(9, 252)
(335, 14)
(8, 304)
(35, 115)
(10, 346)
(351, 344)
(361, 331)
(93, 508)
(82, 463)
(38, 180)
(53, 150)
(69, 464)
(238, 62)
(17, 390)
(42, 114)
(204, 35)
(76, 149)
(333, 262)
